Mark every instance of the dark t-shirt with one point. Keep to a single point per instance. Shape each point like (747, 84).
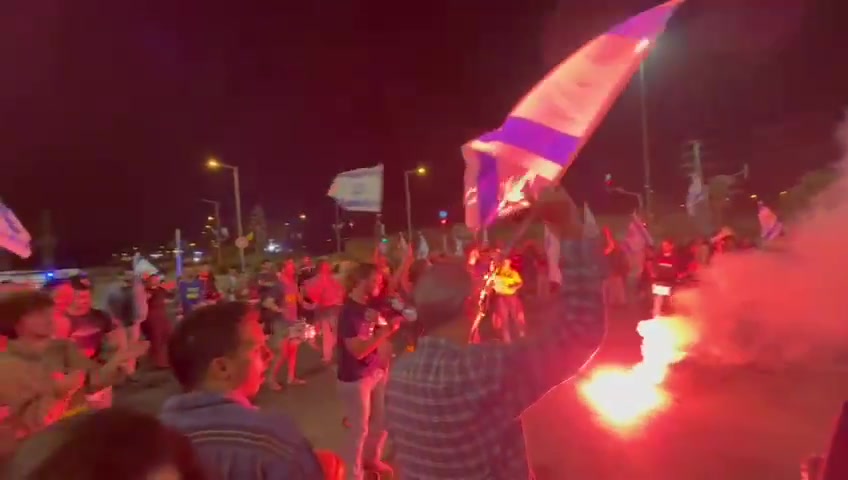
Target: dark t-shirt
(353, 324)
(89, 330)
(667, 268)
(274, 291)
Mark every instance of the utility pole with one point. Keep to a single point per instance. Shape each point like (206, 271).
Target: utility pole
(697, 165)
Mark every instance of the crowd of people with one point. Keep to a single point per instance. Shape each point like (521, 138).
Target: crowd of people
(411, 364)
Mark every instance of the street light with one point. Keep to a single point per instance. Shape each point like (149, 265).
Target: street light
(214, 164)
(302, 216)
(217, 217)
(420, 171)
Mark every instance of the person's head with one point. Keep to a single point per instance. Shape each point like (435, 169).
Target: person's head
(363, 279)
(266, 266)
(27, 314)
(667, 246)
(444, 297)
(81, 300)
(232, 271)
(324, 268)
(220, 348)
(506, 264)
(104, 445)
(307, 262)
(289, 269)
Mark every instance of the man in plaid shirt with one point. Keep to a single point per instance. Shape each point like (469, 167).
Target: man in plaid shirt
(453, 409)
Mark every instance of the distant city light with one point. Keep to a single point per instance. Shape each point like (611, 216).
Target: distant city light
(273, 247)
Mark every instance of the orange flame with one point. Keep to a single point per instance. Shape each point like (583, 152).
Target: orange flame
(625, 397)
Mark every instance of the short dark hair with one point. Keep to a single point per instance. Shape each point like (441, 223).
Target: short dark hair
(207, 333)
(16, 305)
(94, 446)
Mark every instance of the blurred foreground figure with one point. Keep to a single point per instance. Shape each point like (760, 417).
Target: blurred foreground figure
(452, 408)
(106, 445)
(219, 356)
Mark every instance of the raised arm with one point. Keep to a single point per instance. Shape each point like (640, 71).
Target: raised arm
(521, 373)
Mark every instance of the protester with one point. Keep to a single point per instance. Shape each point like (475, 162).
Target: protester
(614, 286)
(509, 310)
(666, 270)
(107, 445)
(27, 319)
(453, 409)
(219, 357)
(90, 327)
(325, 295)
(192, 294)
(279, 302)
(210, 284)
(157, 327)
(361, 376)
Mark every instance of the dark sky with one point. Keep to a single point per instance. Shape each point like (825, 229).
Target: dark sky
(108, 108)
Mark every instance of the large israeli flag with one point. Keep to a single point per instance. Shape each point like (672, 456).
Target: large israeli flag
(544, 133)
(359, 190)
(13, 236)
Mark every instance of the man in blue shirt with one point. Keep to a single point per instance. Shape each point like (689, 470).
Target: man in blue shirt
(191, 293)
(219, 356)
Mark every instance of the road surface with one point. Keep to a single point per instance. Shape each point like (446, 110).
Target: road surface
(724, 424)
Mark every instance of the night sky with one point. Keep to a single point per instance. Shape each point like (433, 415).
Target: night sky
(108, 108)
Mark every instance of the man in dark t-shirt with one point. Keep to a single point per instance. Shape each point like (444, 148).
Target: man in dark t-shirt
(89, 326)
(361, 375)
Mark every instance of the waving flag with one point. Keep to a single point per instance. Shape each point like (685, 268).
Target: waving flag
(423, 247)
(636, 241)
(359, 190)
(543, 134)
(552, 247)
(770, 226)
(697, 204)
(459, 251)
(13, 236)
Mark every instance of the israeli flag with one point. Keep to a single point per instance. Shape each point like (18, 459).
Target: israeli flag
(423, 247)
(13, 236)
(359, 190)
(545, 132)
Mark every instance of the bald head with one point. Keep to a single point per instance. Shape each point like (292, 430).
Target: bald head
(442, 293)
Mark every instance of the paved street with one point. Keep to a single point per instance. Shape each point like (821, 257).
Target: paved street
(724, 424)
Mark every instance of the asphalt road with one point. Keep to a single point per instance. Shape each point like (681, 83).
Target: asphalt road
(723, 424)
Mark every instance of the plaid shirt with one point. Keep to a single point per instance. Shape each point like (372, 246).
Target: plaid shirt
(453, 410)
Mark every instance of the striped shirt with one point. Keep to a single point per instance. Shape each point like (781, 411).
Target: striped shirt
(453, 410)
(236, 441)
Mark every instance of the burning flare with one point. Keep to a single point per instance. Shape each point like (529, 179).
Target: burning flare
(624, 397)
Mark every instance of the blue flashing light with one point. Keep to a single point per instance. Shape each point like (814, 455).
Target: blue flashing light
(443, 214)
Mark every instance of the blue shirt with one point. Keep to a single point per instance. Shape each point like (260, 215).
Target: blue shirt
(191, 293)
(353, 324)
(236, 441)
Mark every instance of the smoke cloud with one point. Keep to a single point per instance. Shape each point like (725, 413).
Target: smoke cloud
(786, 303)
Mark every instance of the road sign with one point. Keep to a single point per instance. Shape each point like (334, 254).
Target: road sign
(242, 243)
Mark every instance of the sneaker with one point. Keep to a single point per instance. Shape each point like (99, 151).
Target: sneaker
(273, 385)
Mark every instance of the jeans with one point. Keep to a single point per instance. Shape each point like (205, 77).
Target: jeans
(326, 321)
(508, 316)
(363, 404)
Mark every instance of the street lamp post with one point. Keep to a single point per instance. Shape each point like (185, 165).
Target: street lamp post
(646, 154)
(420, 171)
(217, 209)
(215, 164)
